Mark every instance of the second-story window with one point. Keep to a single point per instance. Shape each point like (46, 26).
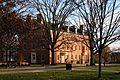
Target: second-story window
(25, 44)
(43, 57)
(79, 56)
(71, 47)
(63, 46)
(67, 56)
(43, 46)
(25, 47)
(67, 47)
(75, 56)
(33, 45)
(62, 36)
(58, 57)
(75, 47)
(83, 49)
(79, 47)
(71, 56)
(43, 35)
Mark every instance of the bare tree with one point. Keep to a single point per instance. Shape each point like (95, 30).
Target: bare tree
(10, 26)
(54, 13)
(101, 18)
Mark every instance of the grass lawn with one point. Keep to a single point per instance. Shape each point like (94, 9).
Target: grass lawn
(85, 73)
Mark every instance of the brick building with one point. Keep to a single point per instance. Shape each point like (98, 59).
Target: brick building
(34, 48)
(73, 50)
(115, 57)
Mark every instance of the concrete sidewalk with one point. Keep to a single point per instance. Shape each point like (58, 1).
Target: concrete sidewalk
(26, 69)
(47, 68)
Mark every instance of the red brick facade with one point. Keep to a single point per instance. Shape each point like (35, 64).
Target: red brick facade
(33, 49)
(72, 51)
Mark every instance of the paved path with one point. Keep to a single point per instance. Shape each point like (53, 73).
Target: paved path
(46, 69)
(35, 69)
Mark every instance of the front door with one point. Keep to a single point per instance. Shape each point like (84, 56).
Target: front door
(62, 59)
(33, 57)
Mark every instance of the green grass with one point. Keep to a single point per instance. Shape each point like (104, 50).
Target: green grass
(85, 73)
(65, 75)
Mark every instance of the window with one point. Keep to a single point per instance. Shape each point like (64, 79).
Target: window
(83, 49)
(71, 56)
(62, 36)
(58, 57)
(33, 56)
(67, 56)
(42, 40)
(71, 47)
(67, 47)
(79, 56)
(25, 46)
(33, 45)
(79, 47)
(75, 56)
(76, 47)
(63, 46)
(43, 57)
(43, 46)
(43, 35)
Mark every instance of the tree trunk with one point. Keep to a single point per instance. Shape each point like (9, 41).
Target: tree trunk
(91, 58)
(91, 50)
(6, 58)
(99, 74)
(52, 50)
(104, 64)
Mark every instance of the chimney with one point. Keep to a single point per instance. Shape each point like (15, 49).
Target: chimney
(64, 28)
(81, 29)
(29, 18)
(40, 18)
(72, 29)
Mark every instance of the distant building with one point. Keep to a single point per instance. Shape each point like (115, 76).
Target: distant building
(115, 57)
(105, 56)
